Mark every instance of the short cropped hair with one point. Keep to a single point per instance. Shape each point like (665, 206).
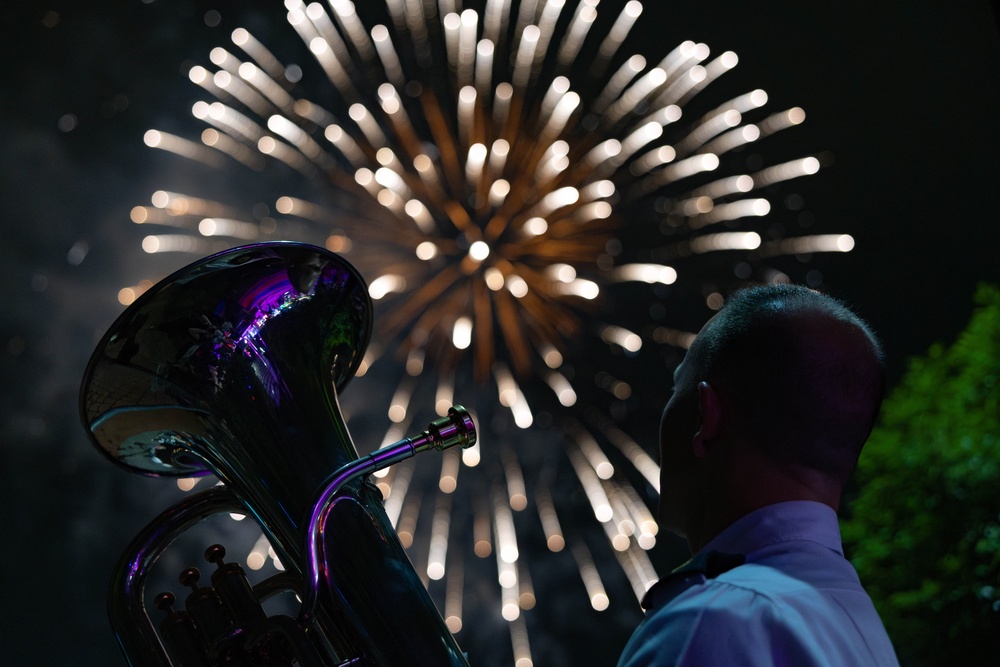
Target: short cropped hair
(803, 373)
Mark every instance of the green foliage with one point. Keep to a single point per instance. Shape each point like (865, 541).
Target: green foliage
(924, 528)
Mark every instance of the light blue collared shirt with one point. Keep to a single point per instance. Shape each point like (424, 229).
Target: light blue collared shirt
(796, 602)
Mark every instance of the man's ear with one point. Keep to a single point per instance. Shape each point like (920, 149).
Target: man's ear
(711, 419)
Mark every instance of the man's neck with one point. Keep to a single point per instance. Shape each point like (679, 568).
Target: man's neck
(754, 484)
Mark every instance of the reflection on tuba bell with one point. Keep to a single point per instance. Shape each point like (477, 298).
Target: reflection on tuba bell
(232, 366)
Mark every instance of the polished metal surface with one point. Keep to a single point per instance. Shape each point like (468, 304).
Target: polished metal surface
(233, 366)
(455, 429)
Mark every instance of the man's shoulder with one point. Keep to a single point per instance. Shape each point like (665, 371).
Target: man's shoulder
(751, 584)
(762, 580)
(755, 600)
(742, 616)
(735, 598)
(714, 615)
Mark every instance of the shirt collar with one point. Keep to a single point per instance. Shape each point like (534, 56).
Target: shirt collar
(781, 522)
(703, 566)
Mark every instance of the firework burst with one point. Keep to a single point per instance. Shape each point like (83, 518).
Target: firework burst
(476, 166)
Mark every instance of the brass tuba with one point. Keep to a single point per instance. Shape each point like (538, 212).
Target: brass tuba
(232, 366)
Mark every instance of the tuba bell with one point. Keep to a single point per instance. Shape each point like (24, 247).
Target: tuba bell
(232, 366)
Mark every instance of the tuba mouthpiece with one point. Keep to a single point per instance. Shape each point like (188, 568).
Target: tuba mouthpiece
(455, 429)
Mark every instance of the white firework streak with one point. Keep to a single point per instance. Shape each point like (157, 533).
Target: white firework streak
(481, 194)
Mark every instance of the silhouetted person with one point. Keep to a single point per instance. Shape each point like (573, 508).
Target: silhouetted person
(770, 409)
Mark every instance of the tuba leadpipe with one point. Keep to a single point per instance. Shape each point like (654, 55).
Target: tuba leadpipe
(233, 366)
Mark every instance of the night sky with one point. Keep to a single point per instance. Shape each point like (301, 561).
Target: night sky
(901, 100)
